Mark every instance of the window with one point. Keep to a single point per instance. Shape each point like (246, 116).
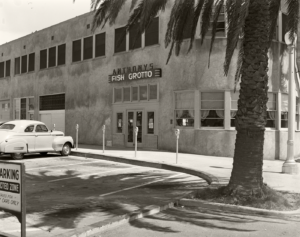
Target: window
(118, 95)
(284, 110)
(184, 108)
(24, 64)
(52, 57)
(23, 108)
(31, 62)
(76, 56)
(17, 107)
(153, 92)
(233, 107)
(61, 54)
(120, 39)
(29, 128)
(100, 45)
(7, 68)
(150, 122)
(221, 26)
(41, 128)
(126, 91)
(271, 110)
(212, 109)
(1, 69)
(17, 66)
(143, 92)
(119, 122)
(151, 33)
(31, 103)
(134, 93)
(7, 126)
(135, 37)
(52, 102)
(43, 59)
(88, 47)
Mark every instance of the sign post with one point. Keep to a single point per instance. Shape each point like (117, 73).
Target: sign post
(177, 133)
(12, 191)
(135, 140)
(103, 142)
(77, 128)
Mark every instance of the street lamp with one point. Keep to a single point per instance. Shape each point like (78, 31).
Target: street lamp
(290, 166)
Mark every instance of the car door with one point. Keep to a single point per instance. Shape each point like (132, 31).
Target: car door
(43, 138)
(29, 135)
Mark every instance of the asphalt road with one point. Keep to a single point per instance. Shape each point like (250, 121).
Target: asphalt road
(65, 193)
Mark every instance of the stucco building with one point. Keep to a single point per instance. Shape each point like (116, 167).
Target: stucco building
(67, 75)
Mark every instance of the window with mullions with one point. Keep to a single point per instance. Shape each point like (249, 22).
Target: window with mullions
(221, 25)
(52, 57)
(152, 33)
(31, 62)
(1, 69)
(271, 110)
(135, 37)
(120, 39)
(23, 108)
(88, 47)
(100, 45)
(61, 54)
(52, 102)
(212, 109)
(150, 122)
(76, 51)
(43, 59)
(284, 110)
(184, 108)
(17, 66)
(7, 68)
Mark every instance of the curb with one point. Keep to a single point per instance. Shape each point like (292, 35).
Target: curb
(238, 209)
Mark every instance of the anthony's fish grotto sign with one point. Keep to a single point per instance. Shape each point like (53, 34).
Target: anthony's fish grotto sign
(145, 71)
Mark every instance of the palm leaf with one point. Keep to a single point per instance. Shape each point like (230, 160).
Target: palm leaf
(274, 11)
(293, 18)
(205, 19)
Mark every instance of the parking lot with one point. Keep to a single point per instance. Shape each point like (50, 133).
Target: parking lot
(64, 193)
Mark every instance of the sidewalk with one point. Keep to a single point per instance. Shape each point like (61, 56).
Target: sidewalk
(219, 167)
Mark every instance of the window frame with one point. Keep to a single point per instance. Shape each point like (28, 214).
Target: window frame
(73, 55)
(91, 48)
(44, 62)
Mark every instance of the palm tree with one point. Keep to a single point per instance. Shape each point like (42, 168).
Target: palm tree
(251, 25)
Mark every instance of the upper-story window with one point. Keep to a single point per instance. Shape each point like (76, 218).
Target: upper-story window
(100, 45)
(52, 57)
(88, 47)
(152, 33)
(1, 69)
(31, 62)
(43, 59)
(120, 39)
(61, 54)
(7, 68)
(17, 66)
(221, 25)
(24, 64)
(135, 37)
(76, 51)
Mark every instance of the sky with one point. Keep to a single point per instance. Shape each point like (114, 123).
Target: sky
(22, 17)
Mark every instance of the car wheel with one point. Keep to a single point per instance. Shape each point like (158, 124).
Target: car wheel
(17, 156)
(66, 150)
(43, 153)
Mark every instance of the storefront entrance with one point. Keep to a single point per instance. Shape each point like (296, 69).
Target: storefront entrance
(134, 119)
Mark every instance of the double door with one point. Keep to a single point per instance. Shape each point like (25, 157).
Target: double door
(134, 120)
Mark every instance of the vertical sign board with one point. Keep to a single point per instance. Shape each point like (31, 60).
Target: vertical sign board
(12, 191)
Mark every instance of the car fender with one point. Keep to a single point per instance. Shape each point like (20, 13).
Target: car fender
(59, 141)
(14, 145)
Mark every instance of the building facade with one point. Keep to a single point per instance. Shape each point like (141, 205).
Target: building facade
(66, 75)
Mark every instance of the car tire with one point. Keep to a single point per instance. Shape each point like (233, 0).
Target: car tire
(66, 150)
(43, 153)
(17, 156)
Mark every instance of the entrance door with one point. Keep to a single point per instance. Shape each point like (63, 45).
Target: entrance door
(134, 119)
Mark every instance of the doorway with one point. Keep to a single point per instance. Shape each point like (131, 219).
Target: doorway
(134, 119)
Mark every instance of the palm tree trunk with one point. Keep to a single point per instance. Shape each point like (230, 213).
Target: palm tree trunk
(246, 177)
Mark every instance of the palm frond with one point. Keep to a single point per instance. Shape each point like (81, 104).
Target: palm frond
(205, 19)
(274, 11)
(237, 11)
(218, 8)
(197, 13)
(293, 18)
(133, 4)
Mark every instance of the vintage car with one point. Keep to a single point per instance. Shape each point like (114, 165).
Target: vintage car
(19, 137)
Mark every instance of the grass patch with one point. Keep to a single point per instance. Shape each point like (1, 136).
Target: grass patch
(272, 200)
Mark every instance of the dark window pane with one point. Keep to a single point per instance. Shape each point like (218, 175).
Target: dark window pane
(17, 66)
(153, 92)
(151, 35)
(120, 40)
(119, 122)
(31, 62)
(61, 59)
(7, 69)
(135, 38)
(52, 57)
(23, 108)
(1, 69)
(134, 91)
(43, 59)
(88, 48)
(24, 64)
(126, 94)
(100, 45)
(150, 127)
(52, 102)
(76, 51)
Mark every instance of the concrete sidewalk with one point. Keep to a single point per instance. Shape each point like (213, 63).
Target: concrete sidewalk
(219, 167)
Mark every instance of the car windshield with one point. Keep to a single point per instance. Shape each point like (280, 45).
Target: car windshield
(7, 126)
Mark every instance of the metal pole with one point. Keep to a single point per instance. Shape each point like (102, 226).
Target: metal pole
(103, 142)
(23, 202)
(290, 166)
(135, 145)
(177, 132)
(77, 128)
